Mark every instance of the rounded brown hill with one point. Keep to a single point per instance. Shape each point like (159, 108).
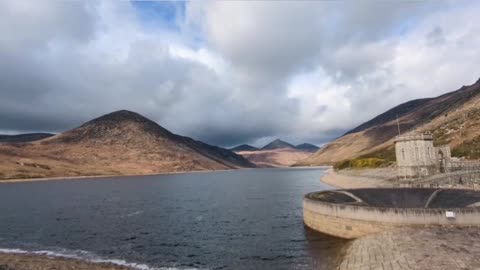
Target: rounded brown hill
(121, 142)
(114, 128)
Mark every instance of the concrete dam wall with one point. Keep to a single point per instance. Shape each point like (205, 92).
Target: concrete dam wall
(352, 213)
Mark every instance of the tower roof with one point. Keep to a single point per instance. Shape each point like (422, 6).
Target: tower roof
(413, 136)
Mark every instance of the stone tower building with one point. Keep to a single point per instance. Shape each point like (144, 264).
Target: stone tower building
(417, 157)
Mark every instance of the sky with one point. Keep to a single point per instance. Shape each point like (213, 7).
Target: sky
(230, 72)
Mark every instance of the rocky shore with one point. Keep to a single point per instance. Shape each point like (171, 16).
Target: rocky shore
(14, 261)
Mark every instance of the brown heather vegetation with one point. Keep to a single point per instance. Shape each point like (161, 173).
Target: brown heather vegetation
(469, 150)
(453, 118)
(119, 143)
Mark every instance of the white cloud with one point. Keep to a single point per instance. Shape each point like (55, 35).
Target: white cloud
(202, 56)
(236, 71)
(366, 78)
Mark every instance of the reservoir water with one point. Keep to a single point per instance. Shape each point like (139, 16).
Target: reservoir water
(244, 219)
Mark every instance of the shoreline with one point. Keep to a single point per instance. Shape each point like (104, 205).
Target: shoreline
(343, 181)
(23, 260)
(88, 177)
(107, 176)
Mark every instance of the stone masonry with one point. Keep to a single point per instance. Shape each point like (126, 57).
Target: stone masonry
(417, 157)
(436, 248)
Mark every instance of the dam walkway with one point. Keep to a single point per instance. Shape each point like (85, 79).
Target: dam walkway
(440, 248)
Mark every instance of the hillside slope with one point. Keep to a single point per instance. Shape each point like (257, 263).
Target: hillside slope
(453, 118)
(121, 142)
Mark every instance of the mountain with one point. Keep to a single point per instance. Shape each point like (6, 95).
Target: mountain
(283, 157)
(391, 114)
(307, 147)
(453, 119)
(28, 137)
(118, 143)
(243, 147)
(277, 144)
(277, 154)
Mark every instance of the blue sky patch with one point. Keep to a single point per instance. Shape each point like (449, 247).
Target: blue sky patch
(160, 13)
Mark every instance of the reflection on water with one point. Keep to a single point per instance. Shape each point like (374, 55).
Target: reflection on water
(245, 219)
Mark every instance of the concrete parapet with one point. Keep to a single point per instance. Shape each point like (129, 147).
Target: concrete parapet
(467, 177)
(413, 137)
(383, 209)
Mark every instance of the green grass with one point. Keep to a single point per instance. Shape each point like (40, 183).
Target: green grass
(361, 163)
(469, 150)
(378, 159)
(387, 154)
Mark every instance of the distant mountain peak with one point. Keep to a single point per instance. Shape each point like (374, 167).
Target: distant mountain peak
(119, 116)
(307, 147)
(277, 144)
(244, 147)
(117, 127)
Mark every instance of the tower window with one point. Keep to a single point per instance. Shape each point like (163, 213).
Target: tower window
(403, 154)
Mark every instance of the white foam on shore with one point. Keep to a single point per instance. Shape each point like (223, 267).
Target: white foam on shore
(88, 257)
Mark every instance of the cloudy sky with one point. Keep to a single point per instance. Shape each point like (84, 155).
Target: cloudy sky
(230, 72)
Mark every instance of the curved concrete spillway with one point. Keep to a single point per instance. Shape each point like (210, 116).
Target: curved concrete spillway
(352, 213)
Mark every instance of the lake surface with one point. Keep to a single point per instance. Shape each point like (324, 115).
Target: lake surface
(244, 219)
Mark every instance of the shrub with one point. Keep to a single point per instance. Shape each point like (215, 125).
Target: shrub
(387, 154)
(343, 165)
(469, 150)
(361, 163)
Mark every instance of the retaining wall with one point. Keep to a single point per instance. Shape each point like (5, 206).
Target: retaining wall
(353, 221)
(457, 177)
